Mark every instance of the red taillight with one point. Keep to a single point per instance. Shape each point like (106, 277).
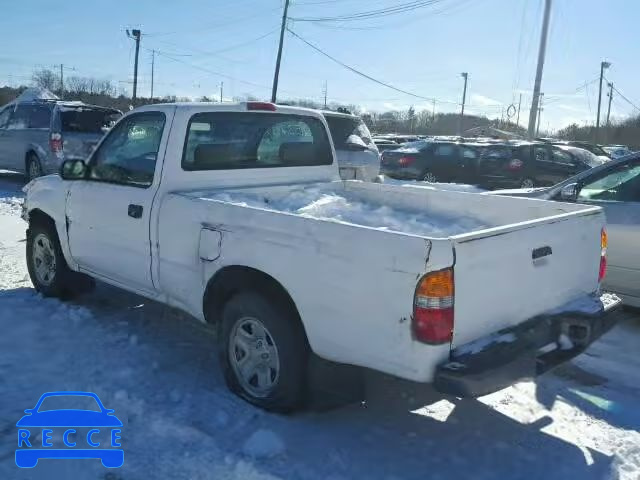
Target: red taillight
(55, 143)
(603, 255)
(433, 308)
(407, 160)
(270, 107)
(515, 164)
(603, 268)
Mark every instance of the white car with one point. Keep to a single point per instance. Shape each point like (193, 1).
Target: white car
(235, 213)
(357, 154)
(614, 186)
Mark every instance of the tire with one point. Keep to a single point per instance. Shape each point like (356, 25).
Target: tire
(527, 183)
(34, 167)
(58, 280)
(429, 177)
(269, 336)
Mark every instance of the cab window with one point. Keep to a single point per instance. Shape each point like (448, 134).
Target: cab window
(238, 140)
(129, 153)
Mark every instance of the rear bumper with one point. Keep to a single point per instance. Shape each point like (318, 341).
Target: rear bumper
(526, 350)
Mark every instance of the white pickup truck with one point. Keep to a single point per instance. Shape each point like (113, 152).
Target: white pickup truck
(235, 214)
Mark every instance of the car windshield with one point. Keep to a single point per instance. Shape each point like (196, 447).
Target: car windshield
(342, 128)
(587, 157)
(620, 184)
(69, 402)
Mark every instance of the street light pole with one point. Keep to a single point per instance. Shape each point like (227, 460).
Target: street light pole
(464, 75)
(538, 81)
(603, 65)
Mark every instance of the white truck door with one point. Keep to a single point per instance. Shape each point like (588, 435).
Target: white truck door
(109, 212)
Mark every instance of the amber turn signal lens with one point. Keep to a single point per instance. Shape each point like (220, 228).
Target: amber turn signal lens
(603, 239)
(436, 284)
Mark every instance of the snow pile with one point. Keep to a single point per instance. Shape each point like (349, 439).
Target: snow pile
(347, 208)
(263, 444)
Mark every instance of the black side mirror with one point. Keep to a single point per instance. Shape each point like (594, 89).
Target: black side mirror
(569, 193)
(73, 170)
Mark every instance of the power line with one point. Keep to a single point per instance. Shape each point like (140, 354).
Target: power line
(221, 50)
(381, 12)
(218, 25)
(213, 72)
(626, 99)
(403, 23)
(358, 72)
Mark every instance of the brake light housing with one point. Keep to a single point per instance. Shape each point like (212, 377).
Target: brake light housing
(515, 164)
(604, 240)
(55, 143)
(265, 106)
(433, 313)
(406, 160)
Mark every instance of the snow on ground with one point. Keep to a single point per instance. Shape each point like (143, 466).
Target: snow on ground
(158, 370)
(348, 208)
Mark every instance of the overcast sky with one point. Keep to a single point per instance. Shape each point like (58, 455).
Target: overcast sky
(202, 43)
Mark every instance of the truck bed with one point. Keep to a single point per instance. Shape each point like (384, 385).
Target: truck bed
(356, 240)
(337, 204)
(419, 211)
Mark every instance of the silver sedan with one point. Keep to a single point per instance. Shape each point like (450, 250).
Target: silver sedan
(614, 186)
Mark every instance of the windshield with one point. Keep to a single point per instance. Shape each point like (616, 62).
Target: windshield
(620, 184)
(69, 402)
(587, 157)
(342, 128)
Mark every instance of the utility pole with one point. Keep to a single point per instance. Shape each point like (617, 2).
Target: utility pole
(464, 75)
(135, 34)
(325, 94)
(538, 81)
(153, 60)
(433, 112)
(518, 117)
(603, 65)
(221, 88)
(61, 81)
(274, 90)
(540, 109)
(610, 84)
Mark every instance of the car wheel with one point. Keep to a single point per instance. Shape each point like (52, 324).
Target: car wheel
(429, 177)
(527, 183)
(264, 352)
(34, 168)
(48, 269)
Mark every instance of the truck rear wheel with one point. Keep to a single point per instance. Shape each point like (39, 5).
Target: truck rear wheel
(263, 352)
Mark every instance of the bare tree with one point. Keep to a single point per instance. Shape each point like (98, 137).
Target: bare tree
(45, 78)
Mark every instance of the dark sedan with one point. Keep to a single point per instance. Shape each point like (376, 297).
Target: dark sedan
(430, 161)
(527, 164)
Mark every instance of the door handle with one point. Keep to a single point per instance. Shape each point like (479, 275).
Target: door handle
(134, 211)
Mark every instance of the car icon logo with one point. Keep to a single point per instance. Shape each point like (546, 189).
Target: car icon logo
(87, 431)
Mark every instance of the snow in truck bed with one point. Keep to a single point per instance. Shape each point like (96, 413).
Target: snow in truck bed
(346, 207)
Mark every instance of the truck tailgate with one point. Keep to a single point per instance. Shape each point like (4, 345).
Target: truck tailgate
(498, 283)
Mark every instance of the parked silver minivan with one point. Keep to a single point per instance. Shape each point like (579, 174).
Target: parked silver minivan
(357, 154)
(36, 136)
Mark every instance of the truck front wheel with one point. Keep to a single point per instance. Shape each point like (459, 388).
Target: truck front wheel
(48, 269)
(263, 352)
